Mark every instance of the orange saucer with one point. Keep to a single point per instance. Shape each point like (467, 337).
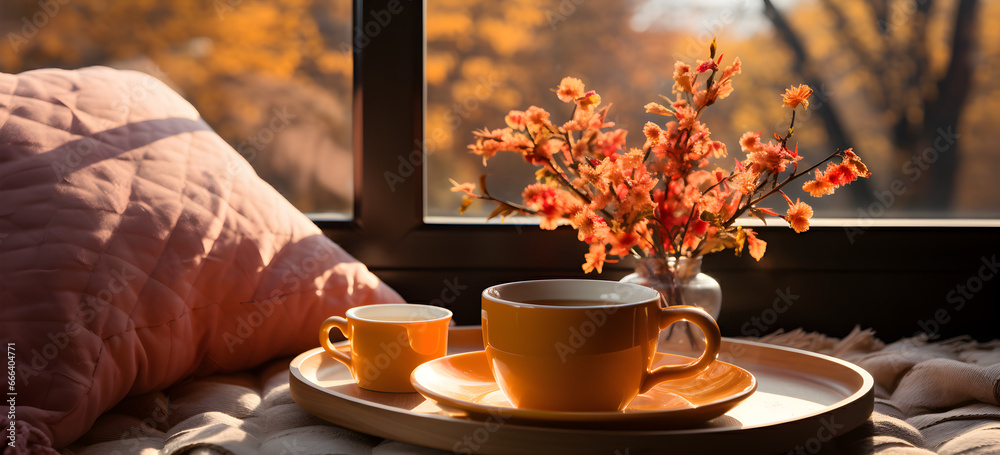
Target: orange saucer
(464, 383)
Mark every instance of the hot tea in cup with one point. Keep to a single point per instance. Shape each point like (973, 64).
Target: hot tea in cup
(582, 345)
(387, 342)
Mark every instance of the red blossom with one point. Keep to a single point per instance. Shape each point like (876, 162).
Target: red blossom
(621, 242)
(516, 120)
(709, 65)
(699, 227)
(621, 191)
(840, 174)
(610, 143)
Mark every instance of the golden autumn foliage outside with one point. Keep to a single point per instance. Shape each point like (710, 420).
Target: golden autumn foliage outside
(892, 79)
(911, 85)
(271, 77)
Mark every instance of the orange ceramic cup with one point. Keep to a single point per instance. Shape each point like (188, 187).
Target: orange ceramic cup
(387, 342)
(582, 345)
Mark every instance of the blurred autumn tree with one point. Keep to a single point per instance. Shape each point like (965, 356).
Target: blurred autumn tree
(891, 78)
(889, 75)
(915, 62)
(269, 76)
(486, 58)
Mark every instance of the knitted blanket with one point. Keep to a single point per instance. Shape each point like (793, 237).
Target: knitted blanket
(931, 397)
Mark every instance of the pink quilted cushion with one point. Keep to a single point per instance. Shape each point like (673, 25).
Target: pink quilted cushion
(138, 248)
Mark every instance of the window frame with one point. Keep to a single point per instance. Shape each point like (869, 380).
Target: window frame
(894, 277)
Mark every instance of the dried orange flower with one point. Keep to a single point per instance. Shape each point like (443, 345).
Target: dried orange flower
(665, 198)
(570, 88)
(797, 95)
(755, 245)
(818, 187)
(683, 78)
(657, 108)
(798, 215)
(516, 120)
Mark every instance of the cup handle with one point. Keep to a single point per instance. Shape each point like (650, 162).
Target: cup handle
(713, 341)
(324, 339)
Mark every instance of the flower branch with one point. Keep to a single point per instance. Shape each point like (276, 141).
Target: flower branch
(658, 199)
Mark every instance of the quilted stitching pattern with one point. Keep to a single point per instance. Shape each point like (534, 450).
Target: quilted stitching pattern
(245, 413)
(137, 248)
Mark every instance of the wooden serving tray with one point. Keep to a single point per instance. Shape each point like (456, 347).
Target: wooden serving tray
(802, 400)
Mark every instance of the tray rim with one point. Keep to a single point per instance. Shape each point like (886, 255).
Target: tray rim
(856, 408)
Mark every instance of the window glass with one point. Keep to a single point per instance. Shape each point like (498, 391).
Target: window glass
(272, 77)
(911, 86)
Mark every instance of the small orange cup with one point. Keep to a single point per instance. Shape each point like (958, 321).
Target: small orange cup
(582, 345)
(387, 342)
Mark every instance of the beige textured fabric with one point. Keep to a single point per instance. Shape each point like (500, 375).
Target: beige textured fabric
(930, 397)
(941, 397)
